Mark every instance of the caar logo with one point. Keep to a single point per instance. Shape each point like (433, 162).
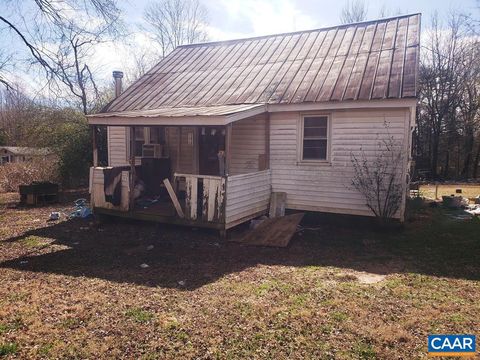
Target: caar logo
(451, 345)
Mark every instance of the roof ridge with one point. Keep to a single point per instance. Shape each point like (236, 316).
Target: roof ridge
(224, 42)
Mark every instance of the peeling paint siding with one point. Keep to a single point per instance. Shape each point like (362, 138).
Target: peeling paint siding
(98, 192)
(327, 186)
(248, 142)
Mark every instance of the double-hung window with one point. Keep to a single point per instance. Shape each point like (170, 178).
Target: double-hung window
(315, 137)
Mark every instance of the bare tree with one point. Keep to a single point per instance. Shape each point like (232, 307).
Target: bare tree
(176, 22)
(354, 11)
(379, 178)
(448, 72)
(60, 36)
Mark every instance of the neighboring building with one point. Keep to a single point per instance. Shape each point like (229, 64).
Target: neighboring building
(15, 154)
(237, 120)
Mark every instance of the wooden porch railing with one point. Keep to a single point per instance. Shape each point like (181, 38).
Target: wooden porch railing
(211, 201)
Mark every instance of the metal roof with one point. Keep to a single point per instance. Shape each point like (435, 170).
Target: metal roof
(362, 61)
(222, 110)
(206, 115)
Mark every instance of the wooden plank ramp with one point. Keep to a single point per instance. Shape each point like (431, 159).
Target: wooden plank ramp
(275, 232)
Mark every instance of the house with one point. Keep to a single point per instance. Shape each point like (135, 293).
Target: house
(15, 154)
(230, 122)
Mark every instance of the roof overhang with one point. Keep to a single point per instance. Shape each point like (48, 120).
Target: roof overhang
(226, 114)
(203, 115)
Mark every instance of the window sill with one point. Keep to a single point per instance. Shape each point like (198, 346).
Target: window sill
(314, 163)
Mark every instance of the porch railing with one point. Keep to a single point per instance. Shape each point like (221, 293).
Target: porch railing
(207, 205)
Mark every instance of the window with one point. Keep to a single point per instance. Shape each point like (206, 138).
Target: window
(315, 137)
(148, 135)
(157, 135)
(139, 140)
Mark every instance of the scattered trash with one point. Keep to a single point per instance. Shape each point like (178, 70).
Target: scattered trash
(473, 209)
(477, 200)
(54, 215)
(23, 262)
(81, 209)
(182, 282)
(84, 228)
(144, 266)
(76, 243)
(150, 247)
(100, 229)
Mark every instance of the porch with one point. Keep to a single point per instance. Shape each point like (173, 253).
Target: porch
(204, 175)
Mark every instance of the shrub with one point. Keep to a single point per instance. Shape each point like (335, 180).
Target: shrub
(14, 174)
(379, 178)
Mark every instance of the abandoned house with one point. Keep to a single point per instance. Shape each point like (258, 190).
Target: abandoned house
(209, 133)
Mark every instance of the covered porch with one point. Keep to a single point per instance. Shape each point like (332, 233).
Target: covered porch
(205, 167)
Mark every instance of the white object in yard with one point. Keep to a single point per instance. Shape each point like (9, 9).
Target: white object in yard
(54, 215)
(149, 247)
(144, 266)
(181, 283)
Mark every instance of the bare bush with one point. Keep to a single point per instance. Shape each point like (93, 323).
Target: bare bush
(14, 174)
(379, 178)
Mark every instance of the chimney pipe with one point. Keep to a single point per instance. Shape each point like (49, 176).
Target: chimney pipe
(117, 76)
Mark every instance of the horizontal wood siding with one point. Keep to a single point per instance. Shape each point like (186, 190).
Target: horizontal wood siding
(247, 196)
(117, 146)
(248, 142)
(327, 186)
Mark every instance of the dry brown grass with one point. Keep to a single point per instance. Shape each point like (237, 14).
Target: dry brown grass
(82, 293)
(468, 190)
(14, 174)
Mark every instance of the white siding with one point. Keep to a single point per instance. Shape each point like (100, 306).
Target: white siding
(117, 146)
(327, 186)
(248, 195)
(248, 142)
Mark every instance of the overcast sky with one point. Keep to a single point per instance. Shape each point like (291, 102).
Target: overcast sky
(230, 19)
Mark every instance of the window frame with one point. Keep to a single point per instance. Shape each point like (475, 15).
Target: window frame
(146, 138)
(301, 129)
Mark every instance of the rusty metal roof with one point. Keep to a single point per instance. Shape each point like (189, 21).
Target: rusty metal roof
(190, 111)
(362, 61)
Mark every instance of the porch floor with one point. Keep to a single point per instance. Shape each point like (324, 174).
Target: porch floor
(160, 215)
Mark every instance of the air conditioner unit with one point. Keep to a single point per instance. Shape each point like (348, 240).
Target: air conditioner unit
(152, 150)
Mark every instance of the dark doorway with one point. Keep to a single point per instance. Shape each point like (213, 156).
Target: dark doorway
(212, 141)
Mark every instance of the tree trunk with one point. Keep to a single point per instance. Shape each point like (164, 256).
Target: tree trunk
(476, 162)
(434, 161)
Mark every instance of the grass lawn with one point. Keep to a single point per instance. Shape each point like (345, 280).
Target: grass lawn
(71, 289)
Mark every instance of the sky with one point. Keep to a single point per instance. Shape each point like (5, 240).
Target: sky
(231, 19)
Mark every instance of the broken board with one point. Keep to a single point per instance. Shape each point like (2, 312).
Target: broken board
(273, 232)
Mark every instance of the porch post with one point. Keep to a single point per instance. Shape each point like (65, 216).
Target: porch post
(132, 168)
(228, 143)
(95, 147)
(267, 140)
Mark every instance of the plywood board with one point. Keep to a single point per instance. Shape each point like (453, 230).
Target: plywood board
(275, 232)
